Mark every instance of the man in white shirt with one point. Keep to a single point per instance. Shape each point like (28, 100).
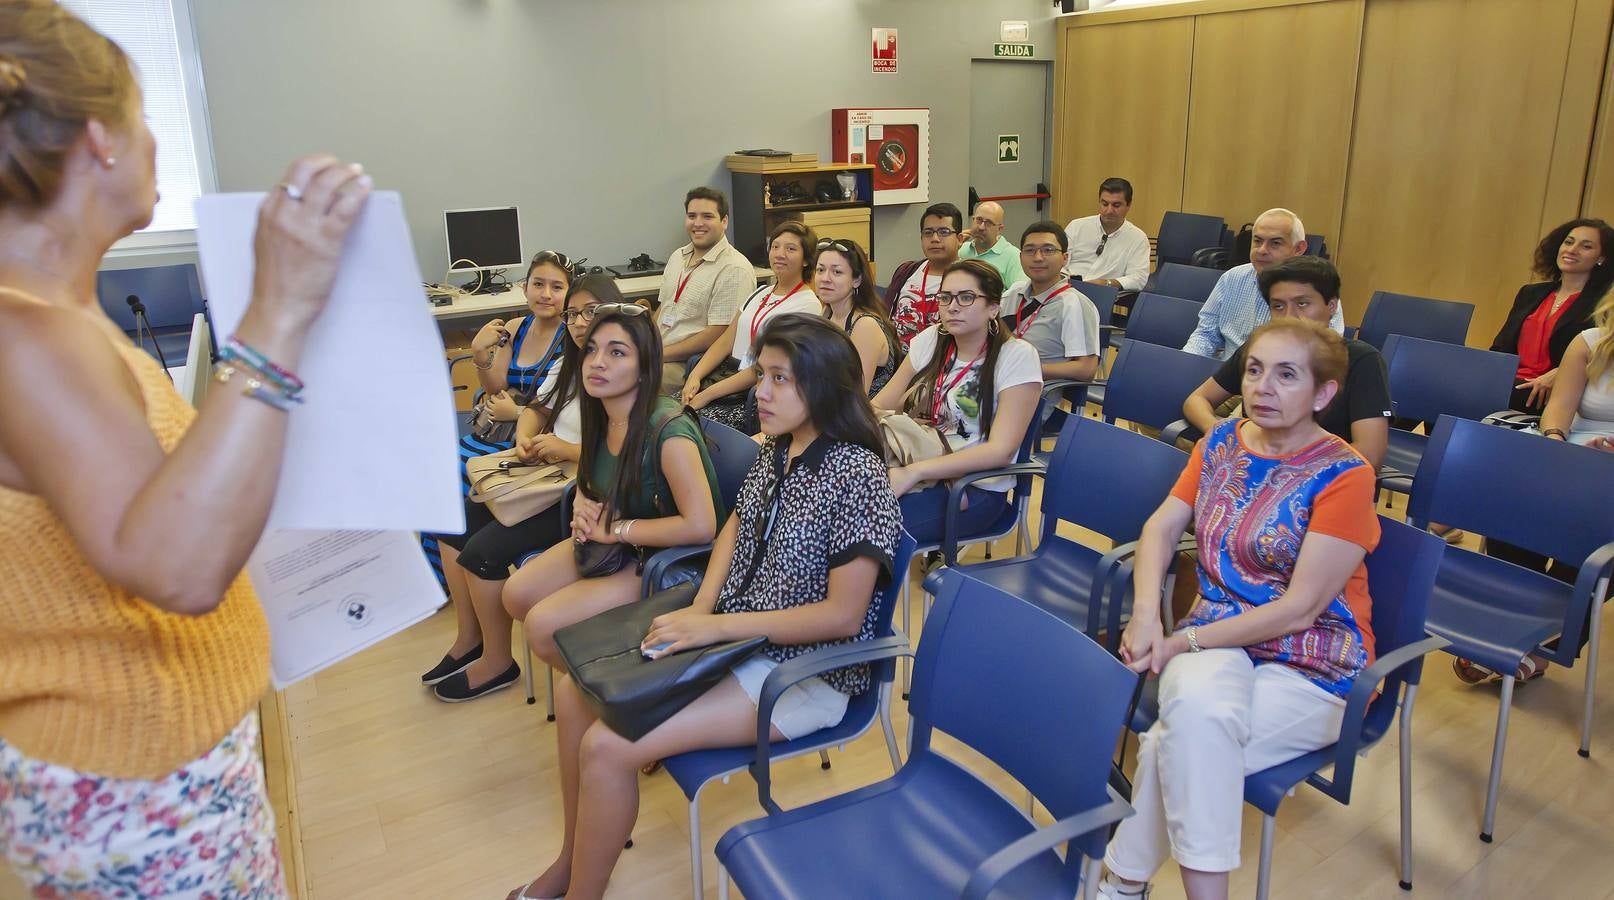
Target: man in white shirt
(705, 283)
(985, 241)
(1047, 311)
(1235, 306)
(1106, 248)
(915, 308)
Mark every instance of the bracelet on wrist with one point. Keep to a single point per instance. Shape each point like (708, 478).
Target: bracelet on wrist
(264, 392)
(236, 350)
(1555, 433)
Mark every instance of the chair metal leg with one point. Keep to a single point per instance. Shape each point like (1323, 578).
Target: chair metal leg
(906, 661)
(823, 759)
(531, 697)
(1406, 785)
(1263, 880)
(722, 882)
(1492, 788)
(1092, 872)
(890, 733)
(1596, 626)
(695, 843)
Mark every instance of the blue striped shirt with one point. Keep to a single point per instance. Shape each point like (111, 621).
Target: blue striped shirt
(1233, 310)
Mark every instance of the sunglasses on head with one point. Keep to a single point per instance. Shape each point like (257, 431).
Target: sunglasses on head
(619, 309)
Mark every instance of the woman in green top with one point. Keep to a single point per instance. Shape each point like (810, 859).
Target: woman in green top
(666, 495)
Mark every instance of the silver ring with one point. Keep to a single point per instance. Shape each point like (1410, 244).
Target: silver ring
(292, 190)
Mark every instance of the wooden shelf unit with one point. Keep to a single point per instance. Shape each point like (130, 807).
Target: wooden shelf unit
(755, 218)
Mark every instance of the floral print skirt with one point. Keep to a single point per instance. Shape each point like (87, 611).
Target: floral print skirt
(205, 832)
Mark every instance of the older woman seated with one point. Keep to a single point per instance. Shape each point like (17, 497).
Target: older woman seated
(1257, 672)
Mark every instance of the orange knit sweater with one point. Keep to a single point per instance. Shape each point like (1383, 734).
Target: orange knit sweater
(98, 680)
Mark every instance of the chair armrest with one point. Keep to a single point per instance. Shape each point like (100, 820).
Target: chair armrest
(1110, 576)
(1178, 430)
(659, 562)
(998, 866)
(1388, 476)
(1597, 567)
(456, 360)
(955, 493)
(800, 669)
(1350, 742)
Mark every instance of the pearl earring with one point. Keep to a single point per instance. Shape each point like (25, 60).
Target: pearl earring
(110, 161)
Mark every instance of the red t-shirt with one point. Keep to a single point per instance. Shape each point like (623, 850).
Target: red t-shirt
(1535, 359)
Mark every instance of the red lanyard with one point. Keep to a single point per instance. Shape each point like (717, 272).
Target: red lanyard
(924, 306)
(764, 308)
(941, 392)
(684, 281)
(1019, 310)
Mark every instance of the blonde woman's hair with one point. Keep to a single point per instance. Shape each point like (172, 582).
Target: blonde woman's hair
(1603, 353)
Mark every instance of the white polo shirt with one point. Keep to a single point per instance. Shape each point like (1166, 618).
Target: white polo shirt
(1061, 322)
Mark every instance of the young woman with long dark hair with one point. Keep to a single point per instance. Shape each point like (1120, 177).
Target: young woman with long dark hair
(841, 279)
(810, 541)
(1572, 262)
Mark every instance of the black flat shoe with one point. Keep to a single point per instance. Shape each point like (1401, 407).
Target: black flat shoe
(457, 688)
(451, 665)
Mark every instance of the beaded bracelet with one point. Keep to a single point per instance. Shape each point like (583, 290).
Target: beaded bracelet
(273, 395)
(236, 350)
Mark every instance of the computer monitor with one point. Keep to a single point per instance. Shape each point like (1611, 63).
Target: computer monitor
(483, 239)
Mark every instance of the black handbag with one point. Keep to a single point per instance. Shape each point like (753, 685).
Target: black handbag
(597, 560)
(631, 694)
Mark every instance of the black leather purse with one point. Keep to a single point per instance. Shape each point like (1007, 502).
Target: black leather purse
(631, 694)
(597, 560)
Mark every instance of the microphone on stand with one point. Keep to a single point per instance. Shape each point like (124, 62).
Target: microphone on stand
(139, 310)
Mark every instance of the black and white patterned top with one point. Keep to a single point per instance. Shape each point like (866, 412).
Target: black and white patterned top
(835, 505)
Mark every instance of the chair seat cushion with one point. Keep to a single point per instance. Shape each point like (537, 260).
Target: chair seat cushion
(1403, 452)
(1494, 612)
(1057, 578)
(918, 834)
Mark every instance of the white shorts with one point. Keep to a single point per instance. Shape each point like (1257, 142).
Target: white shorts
(805, 707)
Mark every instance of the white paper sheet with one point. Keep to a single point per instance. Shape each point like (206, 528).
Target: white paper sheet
(375, 444)
(330, 594)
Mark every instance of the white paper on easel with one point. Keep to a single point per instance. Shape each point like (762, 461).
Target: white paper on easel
(330, 594)
(374, 445)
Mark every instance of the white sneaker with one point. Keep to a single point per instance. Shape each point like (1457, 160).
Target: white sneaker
(1112, 889)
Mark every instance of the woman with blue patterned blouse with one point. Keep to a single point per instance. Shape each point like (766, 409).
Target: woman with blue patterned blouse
(810, 541)
(1256, 674)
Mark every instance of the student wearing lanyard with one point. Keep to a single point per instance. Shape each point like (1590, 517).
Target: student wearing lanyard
(705, 281)
(790, 255)
(915, 307)
(1049, 313)
(978, 385)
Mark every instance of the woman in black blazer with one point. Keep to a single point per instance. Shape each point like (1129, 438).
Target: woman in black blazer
(1547, 315)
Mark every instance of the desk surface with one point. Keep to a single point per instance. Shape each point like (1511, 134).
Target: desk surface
(513, 299)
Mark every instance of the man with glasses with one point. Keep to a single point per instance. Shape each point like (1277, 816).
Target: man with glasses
(985, 241)
(1046, 309)
(1106, 248)
(705, 283)
(915, 308)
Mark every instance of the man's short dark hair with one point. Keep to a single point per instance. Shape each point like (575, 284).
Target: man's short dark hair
(947, 210)
(713, 194)
(1047, 227)
(1315, 271)
(1116, 186)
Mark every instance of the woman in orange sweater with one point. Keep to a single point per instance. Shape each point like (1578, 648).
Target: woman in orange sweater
(132, 651)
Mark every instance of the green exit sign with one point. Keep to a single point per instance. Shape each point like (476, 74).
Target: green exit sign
(1013, 51)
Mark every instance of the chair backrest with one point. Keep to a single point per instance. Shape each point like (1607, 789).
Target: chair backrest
(1106, 479)
(1400, 577)
(732, 456)
(1432, 378)
(1182, 233)
(1316, 245)
(888, 599)
(172, 295)
(1158, 319)
(1149, 383)
(1103, 297)
(1186, 282)
(1514, 486)
(1420, 317)
(1024, 689)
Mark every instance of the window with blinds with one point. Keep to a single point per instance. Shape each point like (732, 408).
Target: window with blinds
(158, 37)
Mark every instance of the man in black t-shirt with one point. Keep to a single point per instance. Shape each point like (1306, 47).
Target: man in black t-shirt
(1308, 287)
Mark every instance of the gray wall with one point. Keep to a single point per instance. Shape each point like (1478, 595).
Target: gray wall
(593, 116)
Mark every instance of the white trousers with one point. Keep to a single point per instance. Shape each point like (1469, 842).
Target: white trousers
(1221, 717)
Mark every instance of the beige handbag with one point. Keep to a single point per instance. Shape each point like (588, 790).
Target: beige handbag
(908, 440)
(514, 491)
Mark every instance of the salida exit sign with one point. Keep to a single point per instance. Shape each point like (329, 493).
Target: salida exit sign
(1013, 51)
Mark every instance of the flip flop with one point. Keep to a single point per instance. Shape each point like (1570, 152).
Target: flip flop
(1470, 672)
(521, 893)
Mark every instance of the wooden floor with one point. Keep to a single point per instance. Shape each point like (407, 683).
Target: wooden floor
(401, 796)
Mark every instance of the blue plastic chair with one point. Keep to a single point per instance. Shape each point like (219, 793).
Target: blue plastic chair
(1149, 383)
(1420, 317)
(1078, 393)
(1012, 682)
(1181, 234)
(1186, 282)
(1163, 320)
(1429, 379)
(694, 771)
(732, 456)
(1473, 476)
(1401, 576)
(1101, 478)
(172, 296)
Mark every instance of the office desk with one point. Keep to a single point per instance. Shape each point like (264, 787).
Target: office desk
(513, 300)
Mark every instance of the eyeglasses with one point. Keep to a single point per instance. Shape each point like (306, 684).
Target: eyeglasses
(586, 313)
(1103, 239)
(1036, 250)
(964, 299)
(937, 232)
(982, 222)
